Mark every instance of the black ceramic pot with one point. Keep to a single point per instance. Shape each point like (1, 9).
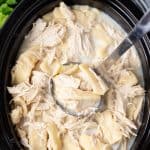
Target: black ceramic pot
(125, 12)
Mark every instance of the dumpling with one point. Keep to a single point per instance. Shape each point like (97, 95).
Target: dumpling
(101, 41)
(49, 64)
(98, 85)
(37, 138)
(52, 68)
(26, 62)
(66, 81)
(69, 69)
(48, 17)
(16, 115)
(91, 143)
(69, 143)
(54, 140)
(75, 94)
(57, 14)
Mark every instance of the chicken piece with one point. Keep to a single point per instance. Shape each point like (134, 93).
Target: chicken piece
(16, 115)
(40, 79)
(85, 86)
(61, 21)
(26, 91)
(31, 95)
(131, 91)
(51, 68)
(66, 81)
(101, 41)
(48, 17)
(91, 14)
(120, 104)
(134, 107)
(124, 144)
(57, 13)
(47, 60)
(81, 18)
(23, 134)
(26, 62)
(130, 111)
(54, 140)
(110, 99)
(37, 29)
(98, 85)
(51, 36)
(80, 48)
(19, 101)
(90, 128)
(69, 69)
(127, 78)
(42, 107)
(37, 138)
(127, 125)
(111, 129)
(18, 89)
(57, 16)
(139, 102)
(125, 120)
(31, 113)
(85, 18)
(91, 143)
(69, 143)
(66, 11)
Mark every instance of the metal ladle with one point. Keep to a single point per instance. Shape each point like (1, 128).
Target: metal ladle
(140, 29)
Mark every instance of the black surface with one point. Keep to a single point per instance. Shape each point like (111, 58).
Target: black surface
(125, 12)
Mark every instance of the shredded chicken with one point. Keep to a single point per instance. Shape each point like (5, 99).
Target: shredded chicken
(51, 36)
(66, 11)
(58, 61)
(39, 27)
(16, 115)
(79, 43)
(66, 81)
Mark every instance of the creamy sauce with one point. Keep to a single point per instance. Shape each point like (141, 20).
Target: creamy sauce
(86, 36)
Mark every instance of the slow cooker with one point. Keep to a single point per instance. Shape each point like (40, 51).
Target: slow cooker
(125, 12)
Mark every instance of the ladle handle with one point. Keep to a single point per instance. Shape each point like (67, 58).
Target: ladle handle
(140, 29)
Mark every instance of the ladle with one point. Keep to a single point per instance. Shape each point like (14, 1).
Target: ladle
(141, 28)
